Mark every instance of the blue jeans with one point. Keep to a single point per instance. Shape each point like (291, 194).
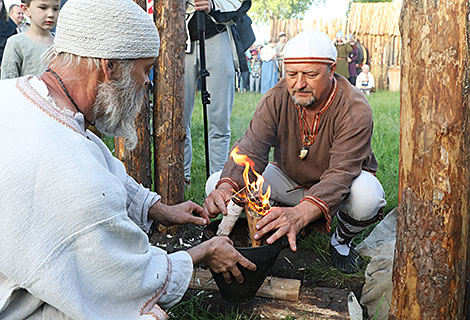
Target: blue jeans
(220, 85)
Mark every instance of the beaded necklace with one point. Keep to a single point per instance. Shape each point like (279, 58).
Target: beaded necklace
(308, 135)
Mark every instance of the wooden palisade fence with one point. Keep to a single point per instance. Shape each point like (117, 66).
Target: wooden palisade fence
(431, 266)
(375, 26)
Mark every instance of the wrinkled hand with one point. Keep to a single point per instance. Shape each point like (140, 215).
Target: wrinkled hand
(220, 256)
(181, 213)
(203, 5)
(216, 202)
(287, 221)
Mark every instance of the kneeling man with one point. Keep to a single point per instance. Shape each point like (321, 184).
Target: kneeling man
(320, 127)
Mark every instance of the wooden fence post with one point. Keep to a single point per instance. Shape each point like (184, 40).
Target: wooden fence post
(431, 257)
(139, 161)
(168, 125)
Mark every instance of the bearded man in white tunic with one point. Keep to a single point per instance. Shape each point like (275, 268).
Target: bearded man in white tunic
(73, 241)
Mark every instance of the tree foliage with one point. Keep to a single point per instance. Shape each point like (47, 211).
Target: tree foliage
(265, 10)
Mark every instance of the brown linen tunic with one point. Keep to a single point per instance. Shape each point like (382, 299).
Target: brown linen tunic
(342, 147)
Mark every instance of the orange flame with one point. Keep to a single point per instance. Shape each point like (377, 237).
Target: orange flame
(253, 194)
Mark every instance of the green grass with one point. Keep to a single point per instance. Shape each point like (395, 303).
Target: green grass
(385, 143)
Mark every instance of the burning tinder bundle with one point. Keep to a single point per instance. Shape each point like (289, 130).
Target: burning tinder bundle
(250, 198)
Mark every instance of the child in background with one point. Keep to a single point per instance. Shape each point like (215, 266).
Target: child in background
(23, 51)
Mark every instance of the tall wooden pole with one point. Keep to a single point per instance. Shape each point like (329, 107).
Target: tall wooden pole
(431, 257)
(168, 125)
(139, 161)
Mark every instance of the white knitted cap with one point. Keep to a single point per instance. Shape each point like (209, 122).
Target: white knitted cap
(311, 46)
(106, 29)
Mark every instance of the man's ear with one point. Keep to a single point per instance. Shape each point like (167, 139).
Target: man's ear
(333, 69)
(108, 68)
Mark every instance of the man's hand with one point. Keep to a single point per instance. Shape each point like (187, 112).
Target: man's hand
(178, 214)
(216, 201)
(203, 5)
(220, 256)
(287, 221)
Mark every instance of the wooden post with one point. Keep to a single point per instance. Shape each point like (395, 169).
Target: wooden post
(168, 124)
(139, 161)
(431, 257)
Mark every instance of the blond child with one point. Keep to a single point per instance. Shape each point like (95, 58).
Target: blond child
(23, 51)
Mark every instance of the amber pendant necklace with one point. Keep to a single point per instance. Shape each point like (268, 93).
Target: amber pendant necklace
(307, 136)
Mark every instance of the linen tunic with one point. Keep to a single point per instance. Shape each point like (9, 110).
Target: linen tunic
(342, 147)
(71, 239)
(22, 57)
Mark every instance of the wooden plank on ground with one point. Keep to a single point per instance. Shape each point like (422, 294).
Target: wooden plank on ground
(272, 287)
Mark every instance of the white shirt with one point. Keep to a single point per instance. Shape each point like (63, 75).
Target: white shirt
(71, 242)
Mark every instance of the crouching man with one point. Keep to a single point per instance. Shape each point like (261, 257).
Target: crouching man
(320, 127)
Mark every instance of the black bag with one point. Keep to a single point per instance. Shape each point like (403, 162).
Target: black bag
(245, 32)
(244, 37)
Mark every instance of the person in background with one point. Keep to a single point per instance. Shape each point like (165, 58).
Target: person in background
(280, 46)
(361, 54)
(84, 253)
(244, 76)
(23, 51)
(255, 75)
(365, 80)
(7, 28)
(353, 56)
(344, 49)
(269, 74)
(320, 127)
(16, 14)
(221, 82)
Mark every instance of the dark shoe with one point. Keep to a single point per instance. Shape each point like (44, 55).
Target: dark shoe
(347, 264)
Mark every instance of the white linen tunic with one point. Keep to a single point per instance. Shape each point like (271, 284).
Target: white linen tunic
(71, 239)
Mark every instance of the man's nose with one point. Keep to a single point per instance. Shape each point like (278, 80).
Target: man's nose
(300, 82)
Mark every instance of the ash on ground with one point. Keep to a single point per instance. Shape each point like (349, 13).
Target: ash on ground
(187, 236)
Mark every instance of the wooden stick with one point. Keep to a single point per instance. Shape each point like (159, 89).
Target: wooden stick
(228, 221)
(252, 219)
(272, 287)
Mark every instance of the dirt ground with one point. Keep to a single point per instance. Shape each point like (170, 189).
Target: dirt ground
(319, 298)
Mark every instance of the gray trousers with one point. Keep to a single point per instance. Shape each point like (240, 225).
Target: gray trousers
(357, 211)
(221, 86)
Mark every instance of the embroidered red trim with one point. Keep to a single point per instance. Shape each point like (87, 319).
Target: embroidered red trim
(308, 137)
(309, 60)
(323, 207)
(151, 307)
(23, 85)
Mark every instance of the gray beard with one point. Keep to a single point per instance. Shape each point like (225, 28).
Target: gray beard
(309, 102)
(116, 106)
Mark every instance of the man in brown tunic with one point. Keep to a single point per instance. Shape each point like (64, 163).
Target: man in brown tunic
(320, 127)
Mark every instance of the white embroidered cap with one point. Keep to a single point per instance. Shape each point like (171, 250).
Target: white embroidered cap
(107, 29)
(311, 46)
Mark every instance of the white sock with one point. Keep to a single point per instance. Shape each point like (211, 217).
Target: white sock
(343, 249)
